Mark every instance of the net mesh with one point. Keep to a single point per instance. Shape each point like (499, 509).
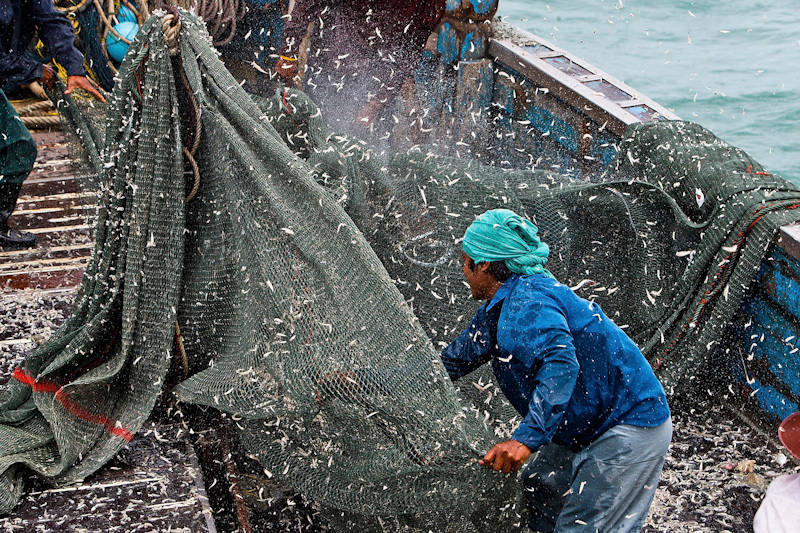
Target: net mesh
(313, 279)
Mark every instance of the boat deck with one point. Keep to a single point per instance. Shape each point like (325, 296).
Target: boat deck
(154, 484)
(53, 206)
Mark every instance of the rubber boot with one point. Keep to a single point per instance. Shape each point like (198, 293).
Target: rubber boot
(11, 239)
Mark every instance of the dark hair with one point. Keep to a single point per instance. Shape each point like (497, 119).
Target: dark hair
(498, 269)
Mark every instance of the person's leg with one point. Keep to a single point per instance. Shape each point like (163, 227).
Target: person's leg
(546, 480)
(615, 479)
(17, 155)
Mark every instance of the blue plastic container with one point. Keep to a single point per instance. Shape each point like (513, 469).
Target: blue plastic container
(116, 48)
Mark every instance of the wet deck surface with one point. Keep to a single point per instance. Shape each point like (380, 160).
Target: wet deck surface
(52, 206)
(154, 484)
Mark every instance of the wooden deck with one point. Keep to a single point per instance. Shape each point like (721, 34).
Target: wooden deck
(52, 206)
(154, 484)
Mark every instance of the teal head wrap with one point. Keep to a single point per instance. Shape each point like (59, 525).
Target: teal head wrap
(503, 235)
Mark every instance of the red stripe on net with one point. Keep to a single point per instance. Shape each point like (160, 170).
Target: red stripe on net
(40, 385)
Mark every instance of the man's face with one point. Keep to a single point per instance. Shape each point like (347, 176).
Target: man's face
(479, 279)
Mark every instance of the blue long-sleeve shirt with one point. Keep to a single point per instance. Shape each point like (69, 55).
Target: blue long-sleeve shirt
(20, 20)
(561, 362)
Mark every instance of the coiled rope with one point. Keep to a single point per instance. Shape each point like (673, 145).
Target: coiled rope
(38, 114)
(41, 122)
(220, 16)
(171, 27)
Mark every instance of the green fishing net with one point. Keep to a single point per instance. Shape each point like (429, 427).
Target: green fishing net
(313, 281)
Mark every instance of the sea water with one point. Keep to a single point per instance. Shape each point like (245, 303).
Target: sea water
(730, 66)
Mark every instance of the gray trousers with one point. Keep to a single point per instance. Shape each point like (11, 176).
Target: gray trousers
(605, 487)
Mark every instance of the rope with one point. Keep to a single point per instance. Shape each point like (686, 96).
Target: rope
(37, 115)
(219, 16)
(137, 67)
(133, 10)
(750, 171)
(144, 10)
(195, 171)
(198, 124)
(36, 88)
(41, 122)
(181, 351)
(302, 55)
(285, 103)
(80, 6)
(171, 26)
(109, 26)
(35, 107)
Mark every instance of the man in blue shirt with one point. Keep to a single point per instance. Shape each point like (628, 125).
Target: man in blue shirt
(590, 402)
(20, 20)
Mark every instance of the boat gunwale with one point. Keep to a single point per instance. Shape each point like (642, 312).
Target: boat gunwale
(572, 89)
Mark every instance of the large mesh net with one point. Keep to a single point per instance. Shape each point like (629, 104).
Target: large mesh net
(312, 280)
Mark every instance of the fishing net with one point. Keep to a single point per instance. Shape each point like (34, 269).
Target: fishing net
(303, 283)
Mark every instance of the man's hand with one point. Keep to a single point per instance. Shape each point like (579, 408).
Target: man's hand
(48, 77)
(82, 82)
(507, 456)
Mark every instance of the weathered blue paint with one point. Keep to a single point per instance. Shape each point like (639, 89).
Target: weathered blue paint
(513, 96)
(779, 274)
(482, 7)
(504, 95)
(766, 337)
(553, 126)
(473, 47)
(447, 44)
(772, 402)
(511, 105)
(604, 147)
(762, 348)
(452, 5)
